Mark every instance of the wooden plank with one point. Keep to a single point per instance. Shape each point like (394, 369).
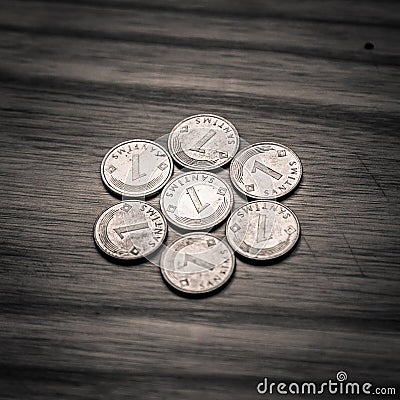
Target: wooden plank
(79, 77)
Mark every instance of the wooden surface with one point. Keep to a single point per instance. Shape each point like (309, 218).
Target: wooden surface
(78, 78)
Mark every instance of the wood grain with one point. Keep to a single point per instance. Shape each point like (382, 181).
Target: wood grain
(78, 77)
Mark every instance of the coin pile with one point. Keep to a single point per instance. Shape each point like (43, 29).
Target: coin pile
(198, 262)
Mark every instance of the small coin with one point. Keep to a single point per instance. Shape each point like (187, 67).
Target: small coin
(266, 170)
(203, 142)
(196, 200)
(136, 168)
(197, 263)
(262, 230)
(130, 230)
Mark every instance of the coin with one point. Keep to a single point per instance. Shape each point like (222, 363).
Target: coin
(196, 200)
(203, 142)
(136, 168)
(266, 170)
(262, 230)
(197, 263)
(130, 230)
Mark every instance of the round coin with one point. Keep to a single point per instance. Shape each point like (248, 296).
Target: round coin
(203, 142)
(266, 170)
(136, 168)
(196, 200)
(197, 263)
(262, 230)
(130, 230)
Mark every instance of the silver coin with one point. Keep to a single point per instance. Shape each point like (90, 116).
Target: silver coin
(262, 230)
(203, 142)
(136, 168)
(197, 263)
(196, 200)
(130, 230)
(266, 170)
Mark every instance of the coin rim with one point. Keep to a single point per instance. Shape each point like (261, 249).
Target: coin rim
(238, 250)
(265, 197)
(153, 249)
(229, 159)
(127, 194)
(164, 255)
(178, 225)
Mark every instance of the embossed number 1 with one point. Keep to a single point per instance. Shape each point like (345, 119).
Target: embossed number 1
(198, 261)
(195, 199)
(257, 165)
(135, 168)
(201, 142)
(262, 228)
(129, 228)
